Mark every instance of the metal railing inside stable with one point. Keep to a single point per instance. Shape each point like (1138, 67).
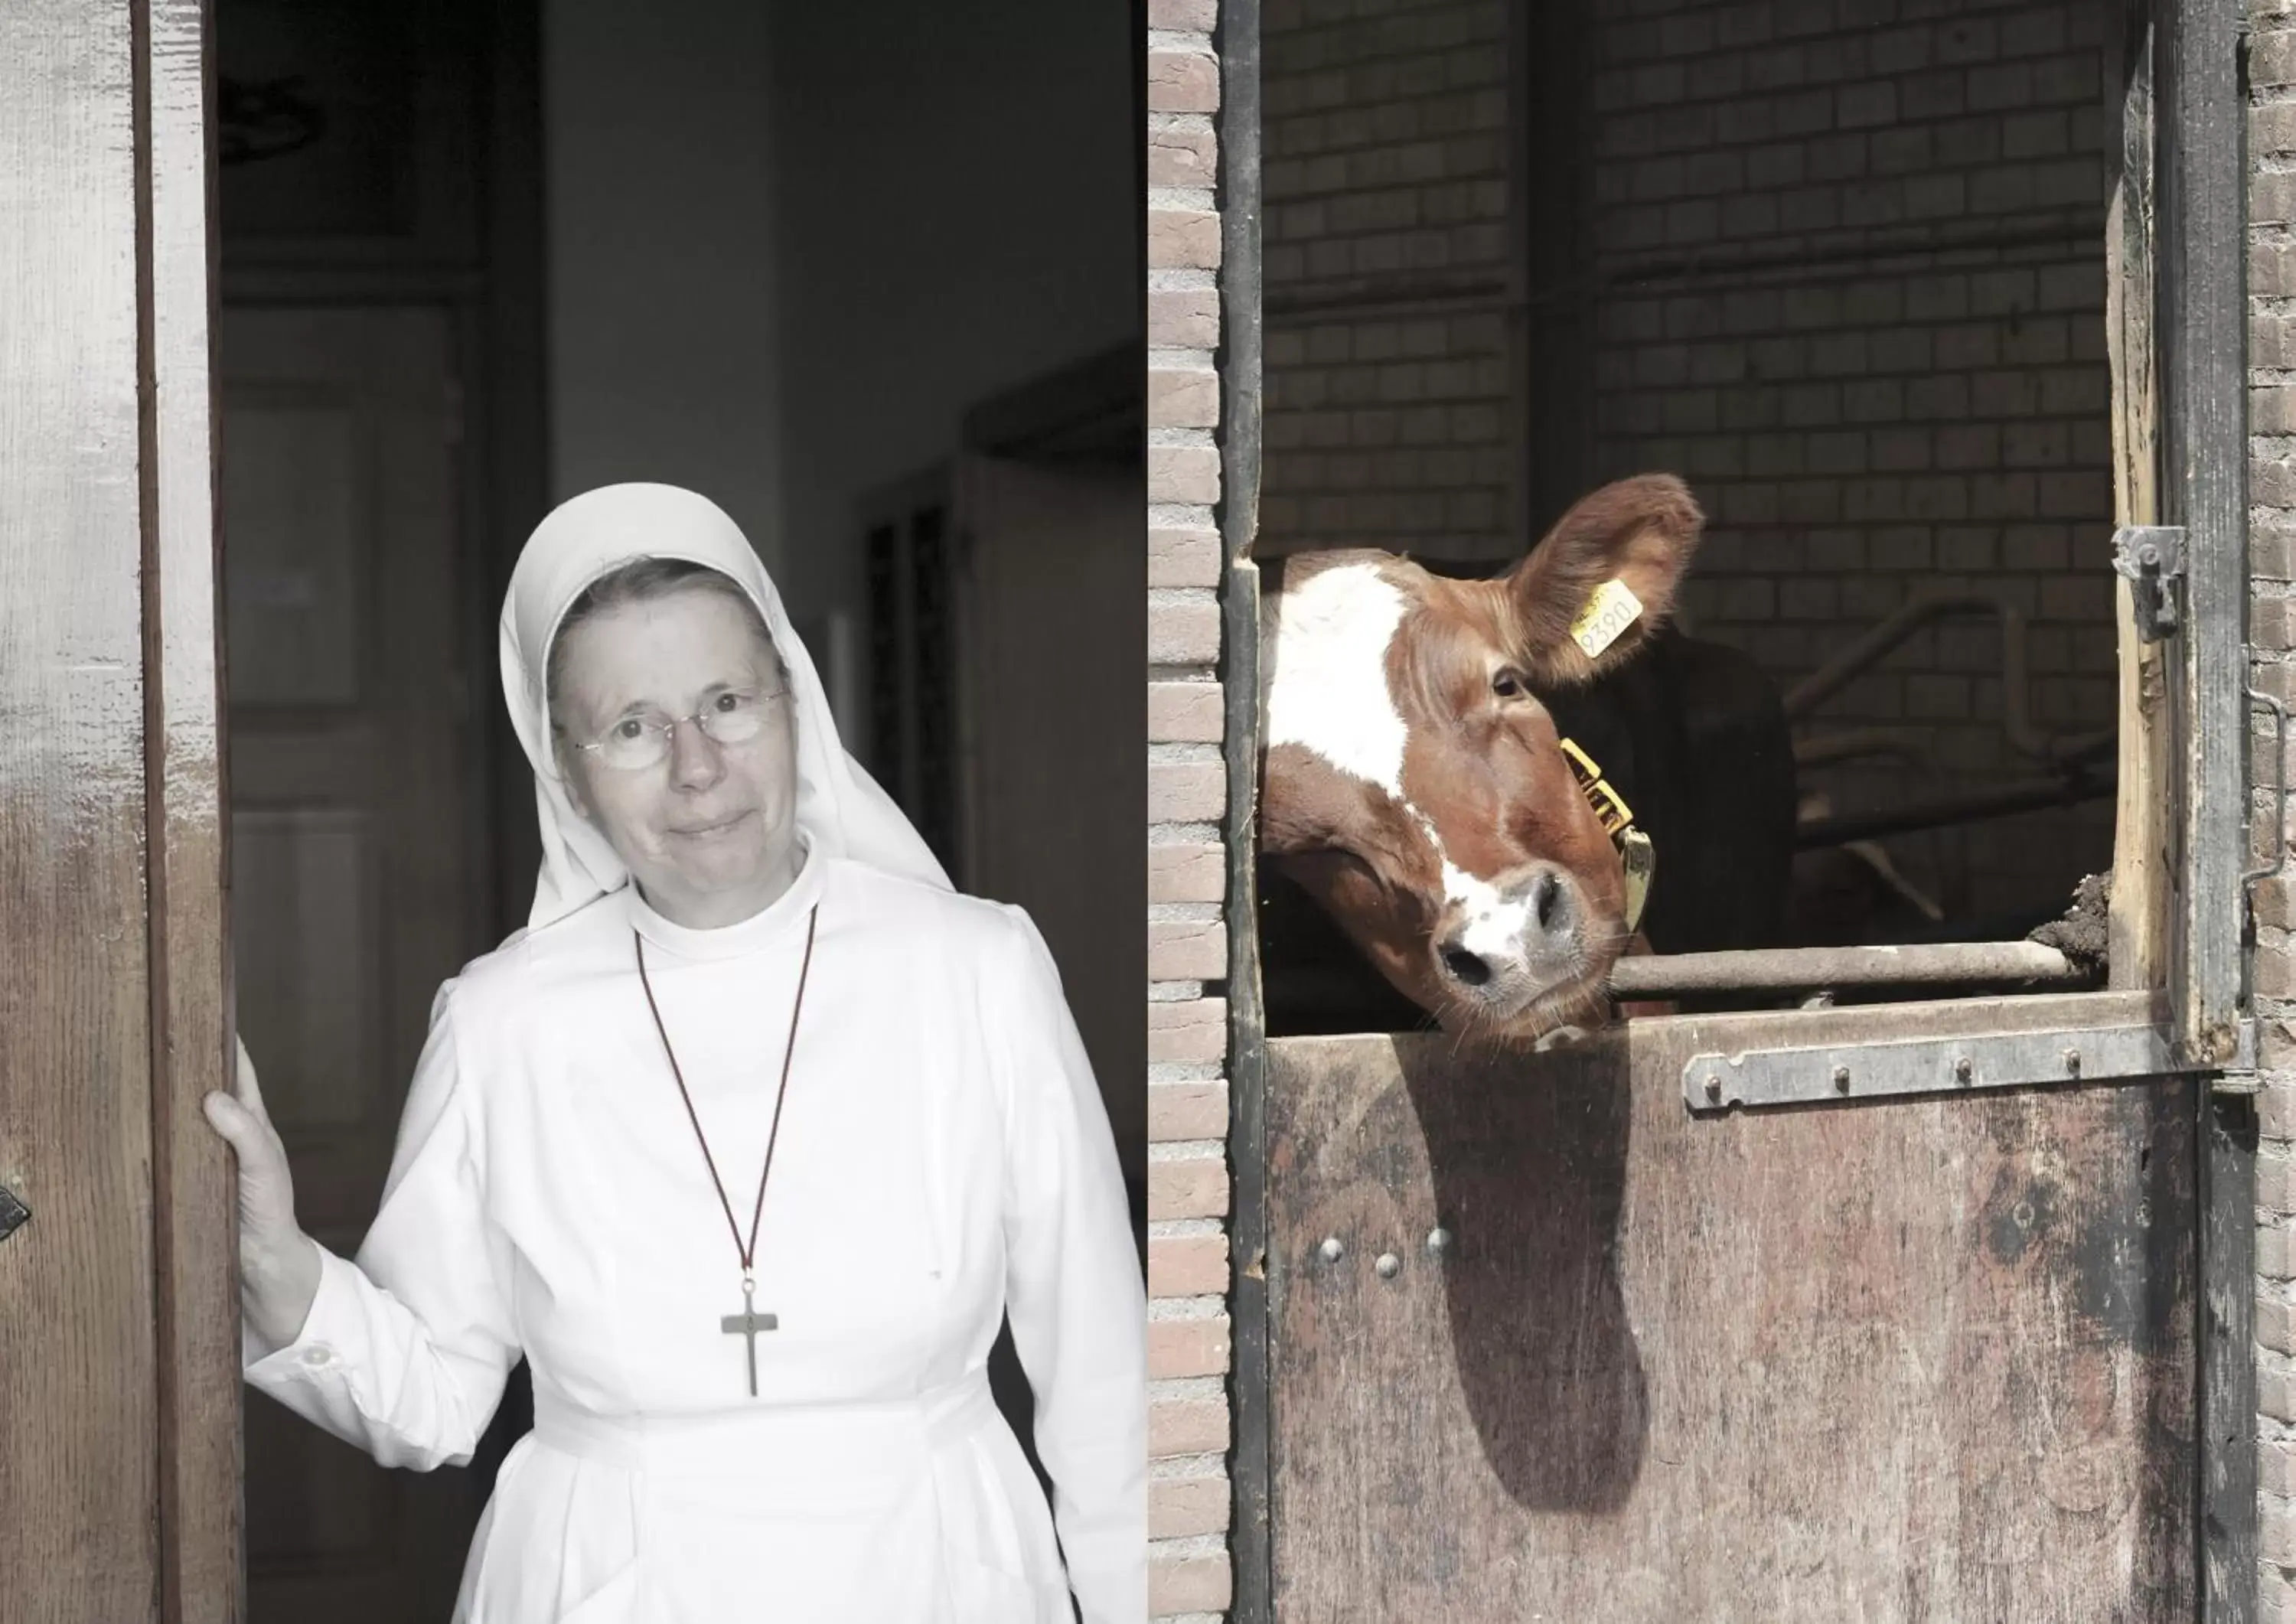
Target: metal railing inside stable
(1933, 967)
(2071, 771)
(1940, 965)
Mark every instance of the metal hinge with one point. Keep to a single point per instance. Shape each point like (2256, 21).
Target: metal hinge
(1716, 1081)
(2151, 558)
(2276, 843)
(2279, 847)
(12, 1213)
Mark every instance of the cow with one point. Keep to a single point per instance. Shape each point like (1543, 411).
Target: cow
(1456, 771)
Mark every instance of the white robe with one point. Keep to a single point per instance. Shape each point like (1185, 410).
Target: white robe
(944, 1158)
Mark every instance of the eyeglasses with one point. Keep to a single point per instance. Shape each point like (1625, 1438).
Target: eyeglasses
(638, 742)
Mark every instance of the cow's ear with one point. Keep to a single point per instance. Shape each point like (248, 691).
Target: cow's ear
(1571, 624)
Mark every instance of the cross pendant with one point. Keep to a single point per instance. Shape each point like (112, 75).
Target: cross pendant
(747, 1323)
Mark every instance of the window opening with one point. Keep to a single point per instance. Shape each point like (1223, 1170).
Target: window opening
(1881, 296)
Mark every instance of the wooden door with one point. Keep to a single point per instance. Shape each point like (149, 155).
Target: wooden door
(1053, 775)
(118, 1382)
(350, 725)
(1922, 1362)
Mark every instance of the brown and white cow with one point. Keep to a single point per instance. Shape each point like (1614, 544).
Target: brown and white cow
(1415, 785)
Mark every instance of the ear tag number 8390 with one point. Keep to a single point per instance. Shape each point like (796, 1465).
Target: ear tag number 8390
(1610, 610)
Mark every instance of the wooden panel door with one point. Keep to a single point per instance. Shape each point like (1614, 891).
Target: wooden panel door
(1051, 650)
(350, 725)
(1922, 1362)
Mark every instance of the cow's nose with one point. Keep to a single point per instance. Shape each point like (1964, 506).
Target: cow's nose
(1469, 969)
(1545, 901)
(1548, 913)
(1527, 929)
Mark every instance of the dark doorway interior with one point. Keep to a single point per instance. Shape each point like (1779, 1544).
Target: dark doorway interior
(475, 258)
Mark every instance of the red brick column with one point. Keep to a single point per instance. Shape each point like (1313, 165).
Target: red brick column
(1188, 1493)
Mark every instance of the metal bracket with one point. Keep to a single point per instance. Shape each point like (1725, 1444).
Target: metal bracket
(1713, 1082)
(14, 1213)
(2151, 557)
(2266, 871)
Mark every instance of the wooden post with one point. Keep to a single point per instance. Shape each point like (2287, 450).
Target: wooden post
(2201, 269)
(1250, 1535)
(195, 1242)
(2140, 844)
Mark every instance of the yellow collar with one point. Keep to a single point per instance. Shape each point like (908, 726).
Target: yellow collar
(1635, 852)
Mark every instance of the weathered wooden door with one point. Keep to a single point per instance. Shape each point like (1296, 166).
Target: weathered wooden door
(351, 714)
(1923, 1360)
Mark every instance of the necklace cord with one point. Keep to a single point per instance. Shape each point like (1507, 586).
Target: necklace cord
(805, 973)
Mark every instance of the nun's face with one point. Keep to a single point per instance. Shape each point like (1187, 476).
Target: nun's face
(709, 830)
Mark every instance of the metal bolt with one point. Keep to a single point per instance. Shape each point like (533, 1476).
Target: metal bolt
(1713, 1086)
(1438, 1239)
(1962, 1069)
(2148, 553)
(1841, 1079)
(1387, 1264)
(2073, 1060)
(1331, 1249)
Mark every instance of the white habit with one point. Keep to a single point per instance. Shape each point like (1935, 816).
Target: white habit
(944, 1159)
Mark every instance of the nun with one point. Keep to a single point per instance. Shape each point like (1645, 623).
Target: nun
(746, 1143)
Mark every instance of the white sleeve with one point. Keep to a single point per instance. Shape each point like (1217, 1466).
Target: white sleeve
(1072, 1285)
(405, 1352)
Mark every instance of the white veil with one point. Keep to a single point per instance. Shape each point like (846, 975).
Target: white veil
(838, 807)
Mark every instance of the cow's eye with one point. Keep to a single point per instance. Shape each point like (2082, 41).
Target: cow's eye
(1509, 683)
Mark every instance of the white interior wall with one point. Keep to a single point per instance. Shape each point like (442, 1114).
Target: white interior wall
(790, 245)
(960, 210)
(658, 155)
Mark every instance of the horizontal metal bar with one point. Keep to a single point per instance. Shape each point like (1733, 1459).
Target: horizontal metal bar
(2025, 795)
(1854, 252)
(1812, 968)
(1915, 745)
(1374, 295)
(2025, 734)
(1714, 1080)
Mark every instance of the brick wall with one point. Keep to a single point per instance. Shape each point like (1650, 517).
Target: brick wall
(2272, 631)
(1861, 426)
(1189, 1496)
(1385, 266)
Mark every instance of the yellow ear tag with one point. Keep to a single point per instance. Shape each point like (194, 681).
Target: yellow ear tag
(1607, 613)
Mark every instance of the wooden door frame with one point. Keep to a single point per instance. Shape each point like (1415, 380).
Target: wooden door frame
(194, 1210)
(2199, 312)
(1251, 1543)
(2200, 307)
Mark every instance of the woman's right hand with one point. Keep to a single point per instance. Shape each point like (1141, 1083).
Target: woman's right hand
(278, 1263)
